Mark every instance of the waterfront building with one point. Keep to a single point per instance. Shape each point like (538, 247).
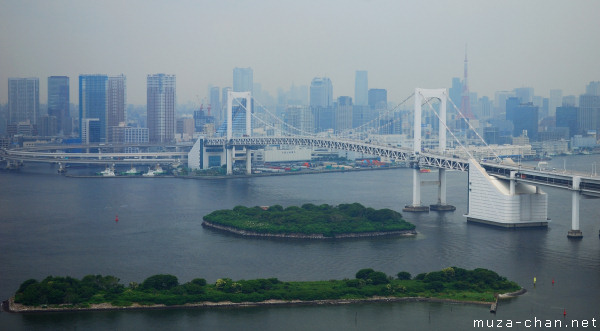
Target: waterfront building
(91, 130)
(92, 105)
(23, 100)
(115, 102)
(243, 80)
(135, 135)
(361, 88)
(58, 102)
(47, 126)
(161, 96)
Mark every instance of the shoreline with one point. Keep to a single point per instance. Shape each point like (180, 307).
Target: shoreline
(12, 307)
(249, 233)
(220, 177)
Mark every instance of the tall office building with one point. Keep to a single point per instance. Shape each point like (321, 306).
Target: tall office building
(566, 117)
(343, 114)
(524, 117)
(92, 105)
(321, 92)
(500, 98)
(525, 94)
(588, 117)
(58, 102)
(160, 96)
(243, 80)
(378, 98)
(361, 88)
(455, 92)
(23, 100)
(554, 101)
(300, 119)
(115, 103)
(569, 100)
(593, 88)
(214, 99)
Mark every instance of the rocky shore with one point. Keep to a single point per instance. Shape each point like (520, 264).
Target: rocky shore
(247, 233)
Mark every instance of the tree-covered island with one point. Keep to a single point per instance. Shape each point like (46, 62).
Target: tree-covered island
(96, 292)
(310, 221)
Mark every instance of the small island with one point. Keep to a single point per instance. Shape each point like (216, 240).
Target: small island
(310, 221)
(96, 292)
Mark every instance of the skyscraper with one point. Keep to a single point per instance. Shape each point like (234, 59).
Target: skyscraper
(525, 94)
(377, 98)
(58, 102)
(593, 88)
(554, 101)
(243, 80)
(116, 100)
(321, 92)
(215, 103)
(92, 105)
(160, 96)
(343, 114)
(588, 117)
(524, 117)
(361, 88)
(23, 100)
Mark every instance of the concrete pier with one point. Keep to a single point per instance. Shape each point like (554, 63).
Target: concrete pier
(575, 233)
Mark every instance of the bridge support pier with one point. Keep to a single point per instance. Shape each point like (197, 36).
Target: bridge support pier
(575, 233)
(229, 150)
(248, 161)
(416, 205)
(441, 204)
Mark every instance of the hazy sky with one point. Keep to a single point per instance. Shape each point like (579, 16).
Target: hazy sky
(402, 44)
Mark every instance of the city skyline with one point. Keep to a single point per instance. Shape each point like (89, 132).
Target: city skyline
(511, 44)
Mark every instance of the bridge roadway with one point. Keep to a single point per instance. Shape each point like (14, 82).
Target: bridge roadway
(59, 154)
(588, 185)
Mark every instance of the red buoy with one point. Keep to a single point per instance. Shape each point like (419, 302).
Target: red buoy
(117, 218)
(564, 312)
(552, 281)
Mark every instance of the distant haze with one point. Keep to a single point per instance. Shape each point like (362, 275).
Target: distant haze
(402, 44)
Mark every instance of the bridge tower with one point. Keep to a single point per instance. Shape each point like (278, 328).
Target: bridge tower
(420, 96)
(230, 149)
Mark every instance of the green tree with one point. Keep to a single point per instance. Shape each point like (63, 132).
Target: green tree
(403, 275)
(160, 282)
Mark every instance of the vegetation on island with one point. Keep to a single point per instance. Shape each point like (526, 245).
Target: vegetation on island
(311, 219)
(450, 283)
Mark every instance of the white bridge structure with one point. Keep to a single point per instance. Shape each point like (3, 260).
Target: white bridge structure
(500, 194)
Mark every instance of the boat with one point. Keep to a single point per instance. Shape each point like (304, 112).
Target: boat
(131, 172)
(154, 172)
(108, 172)
(424, 170)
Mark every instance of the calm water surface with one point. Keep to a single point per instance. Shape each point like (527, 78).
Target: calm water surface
(52, 225)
